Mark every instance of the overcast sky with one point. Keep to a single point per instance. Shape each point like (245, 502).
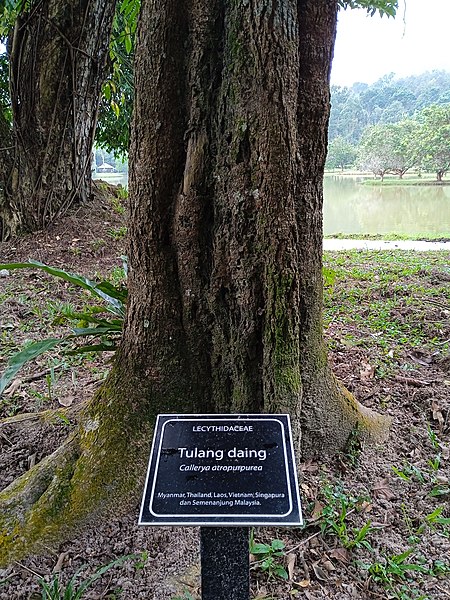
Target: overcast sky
(369, 47)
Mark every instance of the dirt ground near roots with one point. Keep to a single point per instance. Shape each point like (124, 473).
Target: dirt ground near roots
(378, 518)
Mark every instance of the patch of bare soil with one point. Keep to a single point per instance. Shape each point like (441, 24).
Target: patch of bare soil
(377, 518)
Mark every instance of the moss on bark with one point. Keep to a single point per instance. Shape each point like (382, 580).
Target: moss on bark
(97, 470)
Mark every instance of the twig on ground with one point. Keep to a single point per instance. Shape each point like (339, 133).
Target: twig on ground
(6, 438)
(438, 587)
(303, 542)
(411, 381)
(22, 566)
(10, 576)
(36, 376)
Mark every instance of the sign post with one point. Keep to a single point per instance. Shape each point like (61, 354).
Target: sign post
(223, 473)
(225, 565)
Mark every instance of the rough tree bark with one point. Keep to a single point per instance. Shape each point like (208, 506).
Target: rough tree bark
(225, 281)
(58, 55)
(230, 138)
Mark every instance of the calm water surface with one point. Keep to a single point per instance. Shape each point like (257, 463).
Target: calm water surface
(113, 178)
(350, 207)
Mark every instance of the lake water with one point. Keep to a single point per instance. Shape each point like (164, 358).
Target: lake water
(113, 178)
(353, 208)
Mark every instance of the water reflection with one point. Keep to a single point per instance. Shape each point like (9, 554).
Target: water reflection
(113, 178)
(353, 208)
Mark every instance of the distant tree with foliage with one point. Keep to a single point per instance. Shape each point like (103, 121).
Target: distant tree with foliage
(375, 151)
(116, 104)
(390, 148)
(434, 139)
(341, 154)
(403, 139)
(348, 117)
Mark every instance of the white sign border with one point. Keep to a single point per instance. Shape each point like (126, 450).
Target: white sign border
(250, 520)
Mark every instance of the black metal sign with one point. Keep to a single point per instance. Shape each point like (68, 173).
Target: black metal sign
(221, 470)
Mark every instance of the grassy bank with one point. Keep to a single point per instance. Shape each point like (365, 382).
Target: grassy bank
(388, 237)
(389, 179)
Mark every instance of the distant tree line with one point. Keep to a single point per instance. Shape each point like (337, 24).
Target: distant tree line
(421, 142)
(388, 100)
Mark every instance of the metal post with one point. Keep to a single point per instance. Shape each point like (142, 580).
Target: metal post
(225, 565)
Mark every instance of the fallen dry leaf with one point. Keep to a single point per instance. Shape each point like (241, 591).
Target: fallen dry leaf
(304, 583)
(66, 401)
(437, 413)
(317, 510)
(340, 554)
(319, 572)
(12, 389)
(421, 358)
(328, 565)
(382, 490)
(59, 563)
(441, 479)
(290, 564)
(366, 506)
(307, 491)
(310, 467)
(366, 371)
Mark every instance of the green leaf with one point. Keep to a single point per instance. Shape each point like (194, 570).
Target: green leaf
(92, 348)
(281, 572)
(101, 571)
(115, 304)
(260, 549)
(84, 331)
(440, 491)
(30, 352)
(113, 324)
(120, 294)
(267, 564)
(115, 108)
(398, 559)
(384, 7)
(278, 545)
(128, 43)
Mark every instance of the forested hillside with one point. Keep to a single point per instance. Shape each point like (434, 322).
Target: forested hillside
(388, 100)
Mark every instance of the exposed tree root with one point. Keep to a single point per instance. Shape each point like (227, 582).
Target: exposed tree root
(27, 504)
(330, 413)
(95, 470)
(46, 416)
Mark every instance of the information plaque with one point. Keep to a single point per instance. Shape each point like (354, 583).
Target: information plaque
(221, 470)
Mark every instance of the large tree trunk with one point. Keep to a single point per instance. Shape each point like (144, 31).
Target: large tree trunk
(57, 66)
(225, 280)
(229, 147)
